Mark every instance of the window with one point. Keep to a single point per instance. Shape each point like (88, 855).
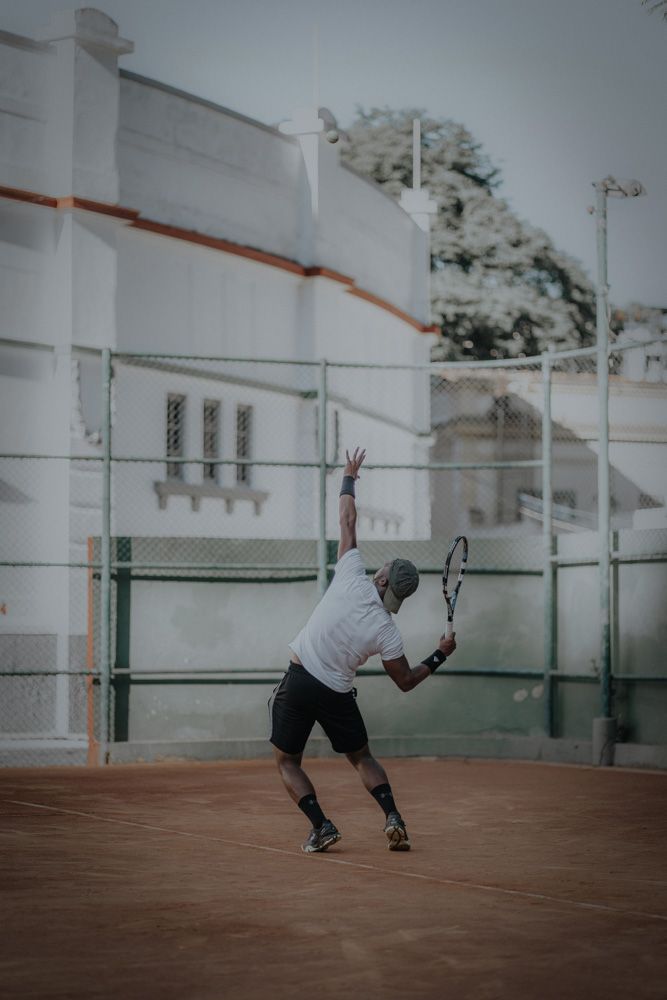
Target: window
(211, 442)
(565, 498)
(336, 438)
(243, 443)
(175, 434)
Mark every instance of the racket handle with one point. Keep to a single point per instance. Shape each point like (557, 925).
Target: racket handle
(449, 629)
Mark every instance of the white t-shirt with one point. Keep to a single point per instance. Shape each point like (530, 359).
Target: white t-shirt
(348, 625)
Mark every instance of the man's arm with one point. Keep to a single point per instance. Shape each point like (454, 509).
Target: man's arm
(406, 677)
(347, 511)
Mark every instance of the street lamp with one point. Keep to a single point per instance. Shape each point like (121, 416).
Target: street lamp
(604, 729)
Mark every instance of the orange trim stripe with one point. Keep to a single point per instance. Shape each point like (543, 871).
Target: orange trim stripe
(214, 243)
(17, 194)
(360, 293)
(325, 272)
(100, 207)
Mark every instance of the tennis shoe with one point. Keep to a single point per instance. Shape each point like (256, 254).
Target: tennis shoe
(396, 833)
(320, 840)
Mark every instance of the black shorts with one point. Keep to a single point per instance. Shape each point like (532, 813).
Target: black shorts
(300, 700)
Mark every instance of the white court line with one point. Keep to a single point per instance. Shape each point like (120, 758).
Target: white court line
(350, 864)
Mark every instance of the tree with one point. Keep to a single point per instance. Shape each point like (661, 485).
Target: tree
(654, 5)
(499, 287)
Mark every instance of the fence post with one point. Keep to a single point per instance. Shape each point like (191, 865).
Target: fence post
(322, 493)
(604, 515)
(105, 574)
(548, 573)
(615, 652)
(121, 687)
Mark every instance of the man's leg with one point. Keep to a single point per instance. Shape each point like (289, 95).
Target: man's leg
(374, 777)
(301, 791)
(368, 768)
(292, 719)
(295, 779)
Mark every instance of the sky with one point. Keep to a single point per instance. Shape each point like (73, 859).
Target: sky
(560, 93)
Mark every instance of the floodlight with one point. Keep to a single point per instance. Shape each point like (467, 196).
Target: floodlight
(624, 187)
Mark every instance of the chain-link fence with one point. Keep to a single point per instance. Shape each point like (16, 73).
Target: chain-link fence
(49, 512)
(180, 519)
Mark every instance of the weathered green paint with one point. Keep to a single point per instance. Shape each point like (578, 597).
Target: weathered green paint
(453, 705)
(193, 578)
(492, 690)
(123, 617)
(576, 706)
(642, 710)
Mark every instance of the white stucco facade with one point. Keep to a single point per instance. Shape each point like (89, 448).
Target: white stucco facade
(138, 218)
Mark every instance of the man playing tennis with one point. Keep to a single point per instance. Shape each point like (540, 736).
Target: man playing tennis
(352, 622)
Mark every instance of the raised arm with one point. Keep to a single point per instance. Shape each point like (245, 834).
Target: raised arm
(347, 511)
(406, 677)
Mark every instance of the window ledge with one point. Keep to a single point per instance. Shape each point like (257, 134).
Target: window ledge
(387, 518)
(175, 488)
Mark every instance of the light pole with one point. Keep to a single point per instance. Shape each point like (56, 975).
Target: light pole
(604, 728)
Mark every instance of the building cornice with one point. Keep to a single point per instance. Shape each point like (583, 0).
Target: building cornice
(99, 207)
(22, 42)
(216, 243)
(126, 74)
(135, 221)
(32, 197)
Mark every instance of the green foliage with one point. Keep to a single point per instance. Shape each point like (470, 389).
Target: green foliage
(499, 287)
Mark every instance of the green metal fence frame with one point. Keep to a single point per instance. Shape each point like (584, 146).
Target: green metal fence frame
(120, 675)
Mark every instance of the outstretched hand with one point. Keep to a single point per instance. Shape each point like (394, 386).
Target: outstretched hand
(447, 644)
(354, 463)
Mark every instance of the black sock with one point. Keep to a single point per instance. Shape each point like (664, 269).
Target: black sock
(382, 795)
(311, 807)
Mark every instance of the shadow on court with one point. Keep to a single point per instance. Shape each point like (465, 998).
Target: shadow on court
(181, 881)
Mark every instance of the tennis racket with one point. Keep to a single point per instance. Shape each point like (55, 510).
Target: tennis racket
(452, 578)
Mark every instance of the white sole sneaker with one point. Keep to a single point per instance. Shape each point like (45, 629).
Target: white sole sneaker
(397, 837)
(315, 845)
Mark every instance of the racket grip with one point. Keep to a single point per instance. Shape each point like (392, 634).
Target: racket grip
(449, 629)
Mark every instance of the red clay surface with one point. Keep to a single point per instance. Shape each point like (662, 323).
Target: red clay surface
(179, 881)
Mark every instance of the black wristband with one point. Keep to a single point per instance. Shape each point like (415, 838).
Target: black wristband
(434, 660)
(347, 489)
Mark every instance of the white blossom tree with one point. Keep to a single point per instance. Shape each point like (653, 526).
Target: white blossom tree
(499, 286)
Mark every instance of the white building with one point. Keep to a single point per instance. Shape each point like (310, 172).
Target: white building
(495, 415)
(139, 218)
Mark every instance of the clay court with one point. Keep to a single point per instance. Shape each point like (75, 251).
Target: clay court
(180, 881)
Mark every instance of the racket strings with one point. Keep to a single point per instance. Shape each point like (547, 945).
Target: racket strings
(455, 568)
(454, 572)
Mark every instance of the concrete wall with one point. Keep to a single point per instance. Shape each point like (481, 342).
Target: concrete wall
(24, 75)
(189, 164)
(191, 627)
